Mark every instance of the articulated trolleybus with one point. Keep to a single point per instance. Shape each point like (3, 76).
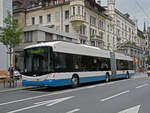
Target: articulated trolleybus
(62, 63)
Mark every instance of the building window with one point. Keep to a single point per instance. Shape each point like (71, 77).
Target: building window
(66, 0)
(49, 18)
(66, 28)
(28, 37)
(48, 37)
(82, 41)
(74, 9)
(55, 2)
(101, 34)
(40, 19)
(85, 16)
(33, 20)
(83, 29)
(67, 14)
(78, 10)
(59, 37)
(93, 32)
(48, 3)
(108, 27)
(101, 24)
(93, 43)
(14, 7)
(93, 20)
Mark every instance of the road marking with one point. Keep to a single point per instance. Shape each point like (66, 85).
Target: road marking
(101, 85)
(75, 110)
(134, 109)
(90, 87)
(115, 95)
(35, 97)
(111, 83)
(142, 85)
(48, 103)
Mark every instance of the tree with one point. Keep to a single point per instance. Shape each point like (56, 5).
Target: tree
(10, 34)
(148, 60)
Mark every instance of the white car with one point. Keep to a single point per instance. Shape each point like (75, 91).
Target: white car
(17, 75)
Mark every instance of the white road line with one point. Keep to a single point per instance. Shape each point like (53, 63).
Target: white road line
(49, 102)
(75, 110)
(142, 86)
(90, 87)
(45, 95)
(67, 91)
(111, 83)
(101, 85)
(22, 109)
(134, 109)
(115, 95)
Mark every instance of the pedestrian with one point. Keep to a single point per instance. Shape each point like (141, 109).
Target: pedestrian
(11, 71)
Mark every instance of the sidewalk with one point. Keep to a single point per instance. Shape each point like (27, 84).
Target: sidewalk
(6, 87)
(140, 75)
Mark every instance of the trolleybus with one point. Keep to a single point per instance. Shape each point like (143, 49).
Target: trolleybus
(62, 63)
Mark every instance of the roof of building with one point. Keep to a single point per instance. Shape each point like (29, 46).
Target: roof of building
(125, 16)
(24, 4)
(49, 30)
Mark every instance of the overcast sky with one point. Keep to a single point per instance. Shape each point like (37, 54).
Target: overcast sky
(135, 9)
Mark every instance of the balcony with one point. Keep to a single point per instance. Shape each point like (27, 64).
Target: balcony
(96, 37)
(77, 19)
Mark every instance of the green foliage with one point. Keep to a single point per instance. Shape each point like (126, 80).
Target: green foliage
(129, 42)
(148, 59)
(11, 33)
(132, 43)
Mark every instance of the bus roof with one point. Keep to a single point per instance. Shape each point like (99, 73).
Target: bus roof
(72, 48)
(123, 57)
(81, 49)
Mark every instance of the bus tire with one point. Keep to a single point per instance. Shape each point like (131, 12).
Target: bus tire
(75, 81)
(127, 75)
(107, 77)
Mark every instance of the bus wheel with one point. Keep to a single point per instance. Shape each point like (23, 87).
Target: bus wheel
(127, 75)
(75, 81)
(107, 77)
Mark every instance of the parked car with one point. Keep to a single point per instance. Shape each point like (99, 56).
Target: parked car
(17, 74)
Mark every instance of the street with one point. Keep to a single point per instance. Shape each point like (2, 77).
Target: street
(119, 96)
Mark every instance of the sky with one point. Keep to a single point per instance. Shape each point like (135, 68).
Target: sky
(138, 10)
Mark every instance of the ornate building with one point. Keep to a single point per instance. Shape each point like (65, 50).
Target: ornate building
(84, 18)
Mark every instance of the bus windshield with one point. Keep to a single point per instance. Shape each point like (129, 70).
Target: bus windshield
(37, 61)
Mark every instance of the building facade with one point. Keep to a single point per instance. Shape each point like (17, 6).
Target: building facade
(84, 18)
(5, 6)
(103, 27)
(124, 28)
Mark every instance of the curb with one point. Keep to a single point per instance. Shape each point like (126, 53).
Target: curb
(15, 89)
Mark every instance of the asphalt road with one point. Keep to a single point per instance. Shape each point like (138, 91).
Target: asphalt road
(121, 96)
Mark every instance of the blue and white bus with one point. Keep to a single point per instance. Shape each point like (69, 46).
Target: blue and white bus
(62, 63)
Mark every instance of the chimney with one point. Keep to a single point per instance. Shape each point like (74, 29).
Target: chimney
(127, 15)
